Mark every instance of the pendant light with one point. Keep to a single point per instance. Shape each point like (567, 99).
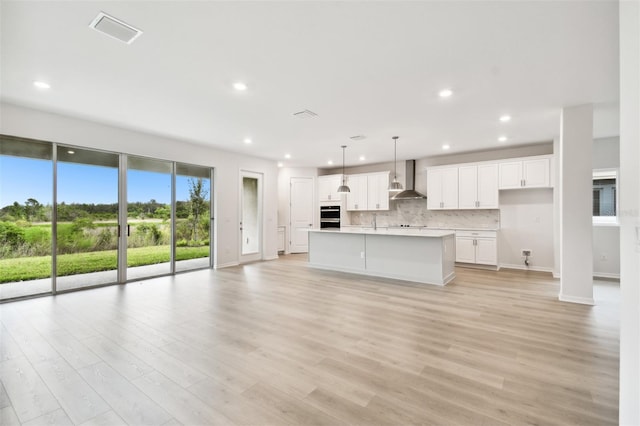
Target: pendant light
(395, 186)
(342, 189)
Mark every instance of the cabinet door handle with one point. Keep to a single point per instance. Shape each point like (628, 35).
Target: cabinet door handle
(377, 206)
(524, 182)
(329, 196)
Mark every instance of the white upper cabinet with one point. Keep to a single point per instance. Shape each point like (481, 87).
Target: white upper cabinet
(328, 188)
(478, 187)
(378, 191)
(369, 191)
(535, 173)
(357, 198)
(442, 188)
(531, 173)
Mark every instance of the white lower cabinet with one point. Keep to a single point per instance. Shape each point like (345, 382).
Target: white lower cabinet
(479, 247)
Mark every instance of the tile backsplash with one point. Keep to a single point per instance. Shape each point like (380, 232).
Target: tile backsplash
(415, 213)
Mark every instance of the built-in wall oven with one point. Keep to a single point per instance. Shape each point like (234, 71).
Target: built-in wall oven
(329, 217)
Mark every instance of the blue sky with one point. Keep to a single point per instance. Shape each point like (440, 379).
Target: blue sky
(22, 178)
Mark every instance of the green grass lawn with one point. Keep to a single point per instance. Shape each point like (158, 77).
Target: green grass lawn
(30, 268)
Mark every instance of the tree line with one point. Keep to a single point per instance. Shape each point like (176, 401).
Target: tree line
(34, 211)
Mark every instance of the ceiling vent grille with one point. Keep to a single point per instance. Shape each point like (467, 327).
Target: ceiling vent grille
(305, 114)
(115, 28)
(358, 138)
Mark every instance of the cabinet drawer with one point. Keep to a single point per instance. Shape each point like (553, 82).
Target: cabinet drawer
(477, 234)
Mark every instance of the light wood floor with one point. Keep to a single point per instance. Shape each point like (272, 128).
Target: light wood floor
(278, 343)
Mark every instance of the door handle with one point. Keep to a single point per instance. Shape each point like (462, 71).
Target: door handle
(118, 231)
(128, 230)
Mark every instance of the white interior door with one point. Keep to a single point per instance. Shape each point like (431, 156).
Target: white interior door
(250, 216)
(301, 213)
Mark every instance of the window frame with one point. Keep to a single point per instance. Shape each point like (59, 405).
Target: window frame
(607, 220)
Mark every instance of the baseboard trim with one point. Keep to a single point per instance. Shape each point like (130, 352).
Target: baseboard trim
(606, 275)
(526, 268)
(575, 299)
(225, 265)
(271, 257)
(477, 266)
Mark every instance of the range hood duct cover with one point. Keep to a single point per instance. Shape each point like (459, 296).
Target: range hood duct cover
(410, 193)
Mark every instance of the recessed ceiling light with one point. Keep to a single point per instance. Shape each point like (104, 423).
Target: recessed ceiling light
(362, 158)
(239, 86)
(445, 93)
(330, 162)
(502, 139)
(505, 118)
(280, 164)
(71, 152)
(445, 146)
(287, 156)
(41, 84)
(247, 141)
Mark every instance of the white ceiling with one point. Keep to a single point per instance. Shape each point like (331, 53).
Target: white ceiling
(372, 68)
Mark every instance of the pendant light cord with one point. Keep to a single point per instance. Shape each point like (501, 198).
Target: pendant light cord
(395, 159)
(343, 177)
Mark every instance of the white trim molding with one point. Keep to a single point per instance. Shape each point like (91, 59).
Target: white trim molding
(606, 275)
(574, 299)
(526, 268)
(226, 265)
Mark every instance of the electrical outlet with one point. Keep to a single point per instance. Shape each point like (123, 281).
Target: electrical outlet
(526, 252)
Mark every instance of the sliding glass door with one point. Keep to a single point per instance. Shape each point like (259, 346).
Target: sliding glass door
(74, 217)
(148, 227)
(193, 217)
(87, 212)
(26, 199)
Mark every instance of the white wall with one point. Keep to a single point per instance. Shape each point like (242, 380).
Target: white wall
(30, 123)
(284, 197)
(606, 153)
(629, 213)
(606, 251)
(526, 222)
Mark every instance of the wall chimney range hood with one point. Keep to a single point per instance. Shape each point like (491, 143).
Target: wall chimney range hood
(410, 193)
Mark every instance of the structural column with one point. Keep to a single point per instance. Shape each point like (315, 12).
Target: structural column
(576, 198)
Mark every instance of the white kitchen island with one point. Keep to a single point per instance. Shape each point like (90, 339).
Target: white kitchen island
(424, 256)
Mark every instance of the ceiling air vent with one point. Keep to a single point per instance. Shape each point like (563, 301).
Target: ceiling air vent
(305, 114)
(358, 138)
(115, 28)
